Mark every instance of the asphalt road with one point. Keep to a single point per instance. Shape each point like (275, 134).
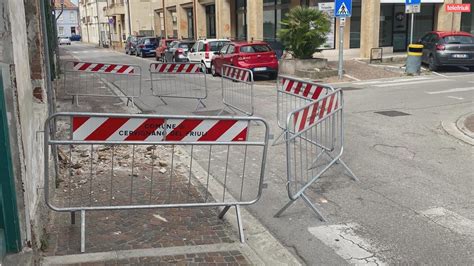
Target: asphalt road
(414, 202)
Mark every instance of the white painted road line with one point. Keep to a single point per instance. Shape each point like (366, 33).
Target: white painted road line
(388, 81)
(451, 90)
(343, 240)
(450, 220)
(457, 98)
(414, 82)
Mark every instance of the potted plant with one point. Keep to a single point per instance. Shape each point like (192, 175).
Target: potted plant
(302, 34)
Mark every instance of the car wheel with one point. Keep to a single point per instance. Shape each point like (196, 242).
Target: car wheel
(471, 68)
(432, 64)
(213, 70)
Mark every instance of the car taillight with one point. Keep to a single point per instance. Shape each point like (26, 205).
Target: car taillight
(141, 46)
(440, 47)
(179, 50)
(206, 55)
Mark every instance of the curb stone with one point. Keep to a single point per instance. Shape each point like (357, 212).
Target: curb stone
(458, 130)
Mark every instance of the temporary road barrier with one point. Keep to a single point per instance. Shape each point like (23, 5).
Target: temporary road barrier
(314, 137)
(124, 162)
(102, 79)
(179, 80)
(293, 93)
(237, 89)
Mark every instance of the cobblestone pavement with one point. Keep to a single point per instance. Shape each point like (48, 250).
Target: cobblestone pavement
(227, 258)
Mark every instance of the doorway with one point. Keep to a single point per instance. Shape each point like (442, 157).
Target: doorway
(395, 25)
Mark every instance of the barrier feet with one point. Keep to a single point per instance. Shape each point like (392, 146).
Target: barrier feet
(311, 205)
(83, 231)
(239, 220)
(278, 214)
(239, 224)
(200, 102)
(276, 142)
(308, 202)
(223, 212)
(348, 169)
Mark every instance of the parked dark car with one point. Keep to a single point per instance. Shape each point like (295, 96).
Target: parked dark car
(441, 48)
(131, 44)
(146, 46)
(75, 38)
(161, 49)
(178, 51)
(256, 56)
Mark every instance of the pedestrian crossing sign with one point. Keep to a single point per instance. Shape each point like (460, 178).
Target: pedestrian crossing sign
(342, 8)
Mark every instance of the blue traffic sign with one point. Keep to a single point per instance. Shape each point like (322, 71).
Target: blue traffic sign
(343, 8)
(412, 2)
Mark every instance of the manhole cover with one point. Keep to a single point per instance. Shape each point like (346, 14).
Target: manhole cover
(392, 113)
(211, 112)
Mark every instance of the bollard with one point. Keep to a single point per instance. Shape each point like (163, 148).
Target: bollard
(415, 51)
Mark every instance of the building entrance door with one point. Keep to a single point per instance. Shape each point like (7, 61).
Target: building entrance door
(400, 28)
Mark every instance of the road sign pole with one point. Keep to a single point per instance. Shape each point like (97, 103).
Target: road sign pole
(411, 29)
(341, 47)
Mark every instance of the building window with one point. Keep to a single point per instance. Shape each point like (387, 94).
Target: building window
(189, 13)
(386, 25)
(60, 18)
(241, 14)
(467, 18)
(73, 30)
(72, 17)
(273, 12)
(354, 41)
(211, 21)
(60, 31)
(175, 24)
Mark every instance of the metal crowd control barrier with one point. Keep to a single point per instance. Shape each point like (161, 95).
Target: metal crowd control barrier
(314, 143)
(292, 94)
(237, 89)
(179, 80)
(101, 79)
(125, 162)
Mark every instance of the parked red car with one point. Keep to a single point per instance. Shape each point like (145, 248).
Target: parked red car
(161, 49)
(256, 56)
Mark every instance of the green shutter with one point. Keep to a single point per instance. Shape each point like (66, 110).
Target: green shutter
(8, 207)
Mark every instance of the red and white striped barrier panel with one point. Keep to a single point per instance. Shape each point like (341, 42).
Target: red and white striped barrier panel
(236, 73)
(307, 90)
(315, 112)
(176, 68)
(158, 129)
(103, 68)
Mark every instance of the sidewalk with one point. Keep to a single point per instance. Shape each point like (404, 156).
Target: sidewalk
(180, 236)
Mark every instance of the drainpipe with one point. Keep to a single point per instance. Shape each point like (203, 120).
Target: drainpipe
(164, 18)
(98, 20)
(129, 23)
(195, 20)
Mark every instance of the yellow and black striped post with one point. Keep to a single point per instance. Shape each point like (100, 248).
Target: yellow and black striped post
(415, 51)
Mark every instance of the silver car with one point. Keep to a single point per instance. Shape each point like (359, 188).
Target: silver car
(442, 48)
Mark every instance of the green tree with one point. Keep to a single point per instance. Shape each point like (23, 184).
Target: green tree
(303, 31)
